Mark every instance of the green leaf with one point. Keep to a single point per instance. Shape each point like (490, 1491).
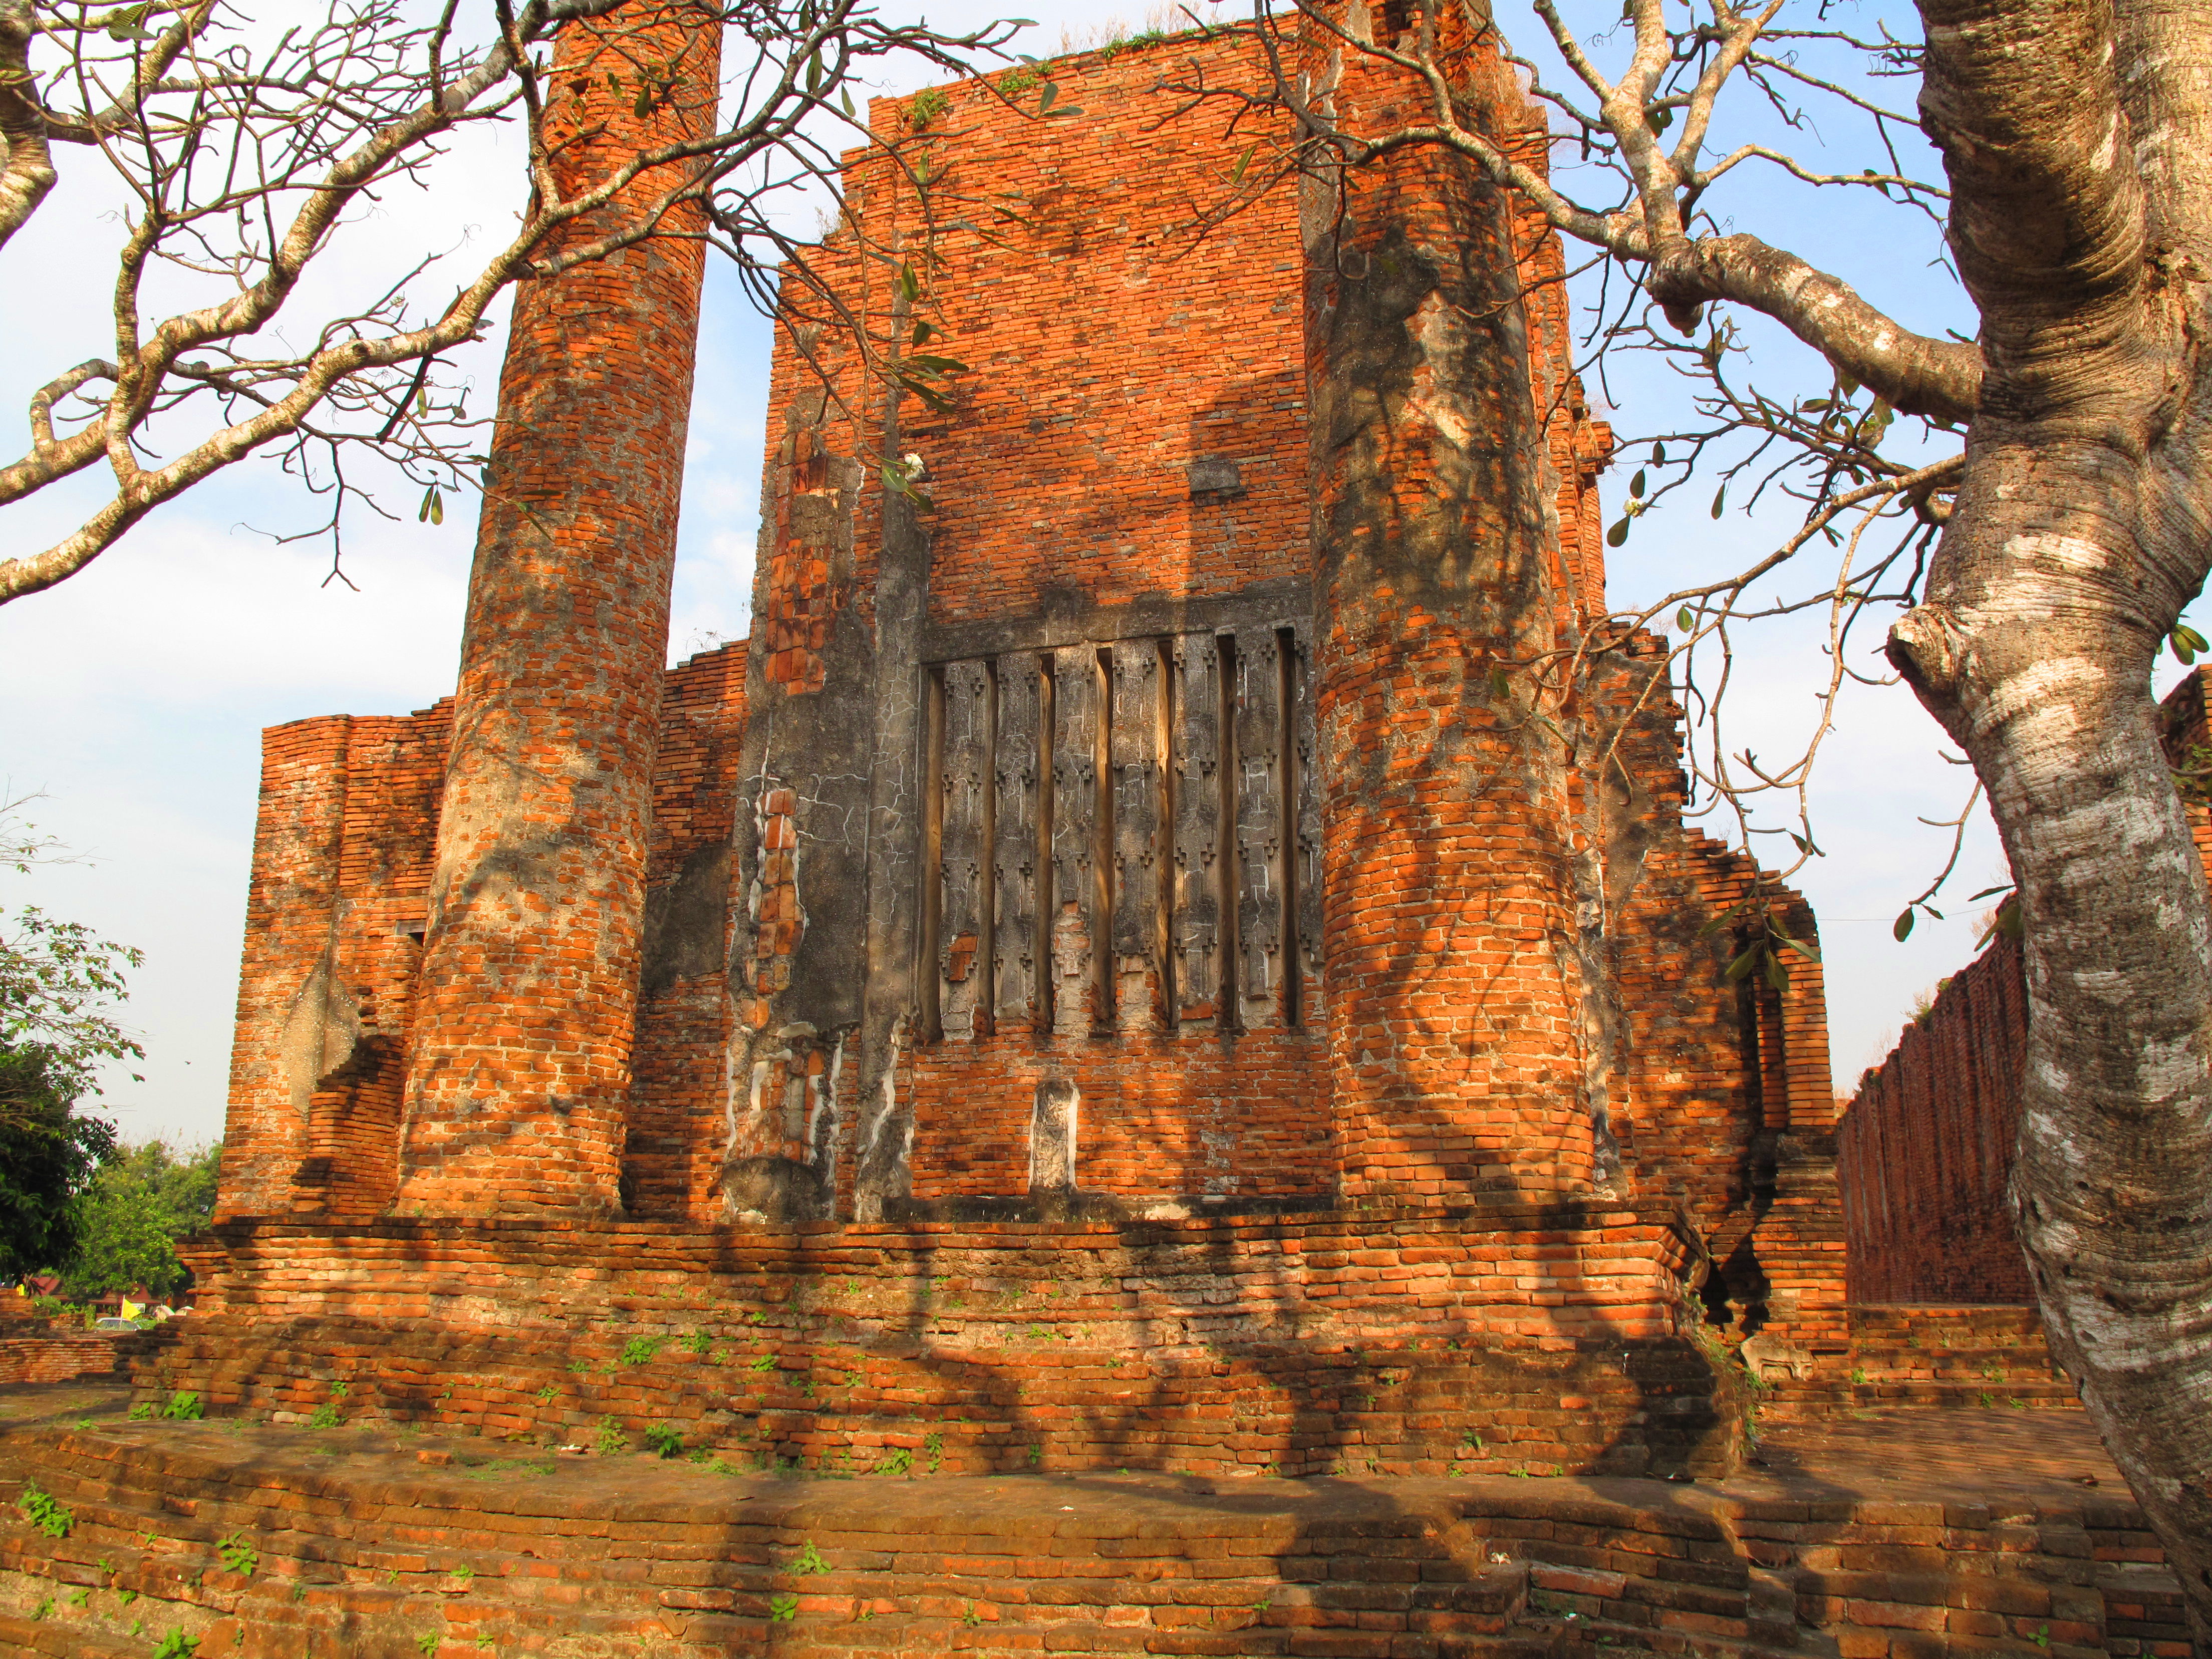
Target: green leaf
(845, 97)
(1046, 98)
(437, 505)
(1814, 402)
(1902, 928)
(1636, 485)
(1722, 920)
(423, 514)
(1500, 687)
(1658, 454)
(1685, 619)
(129, 24)
(1743, 964)
(923, 328)
(1065, 112)
(1806, 846)
(643, 106)
(1799, 947)
(1776, 974)
(1720, 500)
(814, 71)
(2001, 887)
(1617, 535)
(938, 365)
(1237, 173)
(1662, 119)
(2008, 918)
(1845, 385)
(909, 285)
(2186, 642)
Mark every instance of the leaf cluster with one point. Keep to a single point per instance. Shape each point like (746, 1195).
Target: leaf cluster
(129, 1215)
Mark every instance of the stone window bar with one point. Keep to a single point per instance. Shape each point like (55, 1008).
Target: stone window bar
(1122, 838)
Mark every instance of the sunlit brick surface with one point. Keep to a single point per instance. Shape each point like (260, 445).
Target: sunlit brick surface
(521, 1056)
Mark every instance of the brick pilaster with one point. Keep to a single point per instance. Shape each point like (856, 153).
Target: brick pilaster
(521, 1061)
(1455, 1000)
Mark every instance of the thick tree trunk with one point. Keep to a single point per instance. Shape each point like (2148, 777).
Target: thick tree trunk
(2075, 133)
(2034, 649)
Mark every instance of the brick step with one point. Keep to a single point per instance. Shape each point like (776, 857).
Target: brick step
(1922, 1392)
(1908, 1353)
(57, 1639)
(592, 1587)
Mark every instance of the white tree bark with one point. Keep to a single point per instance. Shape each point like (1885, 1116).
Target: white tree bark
(2075, 137)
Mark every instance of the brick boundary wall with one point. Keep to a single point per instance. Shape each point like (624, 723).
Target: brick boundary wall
(52, 1355)
(1925, 1148)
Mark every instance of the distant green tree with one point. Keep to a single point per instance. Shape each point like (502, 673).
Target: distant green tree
(49, 1153)
(129, 1217)
(60, 983)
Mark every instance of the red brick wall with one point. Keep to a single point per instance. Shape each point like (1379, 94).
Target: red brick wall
(36, 1352)
(342, 868)
(1108, 349)
(672, 1158)
(1156, 1116)
(342, 861)
(1927, 1148)
(521, 1065)
(1450, 912)
(290, 909)
(1927, 1143)
(1062, 485)
(1726, 1100)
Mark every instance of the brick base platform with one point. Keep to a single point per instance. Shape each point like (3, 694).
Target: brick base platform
(1513, 1337)
(268, 1542)
(1917, 1354)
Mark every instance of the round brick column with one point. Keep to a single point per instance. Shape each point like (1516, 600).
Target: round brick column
(520, 1064)
(1455, 1008)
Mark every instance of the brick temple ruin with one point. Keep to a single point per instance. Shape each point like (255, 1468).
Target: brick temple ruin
(1116, 968)
(1110, 982)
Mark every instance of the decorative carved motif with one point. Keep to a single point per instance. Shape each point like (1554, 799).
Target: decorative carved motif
(1078, 701)
(962, 965)
(1137, 735)
(1305, 869)
(1128, 838)
(1260, 885)
(1014, 848)
(1195, 920)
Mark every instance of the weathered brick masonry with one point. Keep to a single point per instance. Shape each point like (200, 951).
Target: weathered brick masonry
(1157, 832)
(1927, 1143)
(519, 1066)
